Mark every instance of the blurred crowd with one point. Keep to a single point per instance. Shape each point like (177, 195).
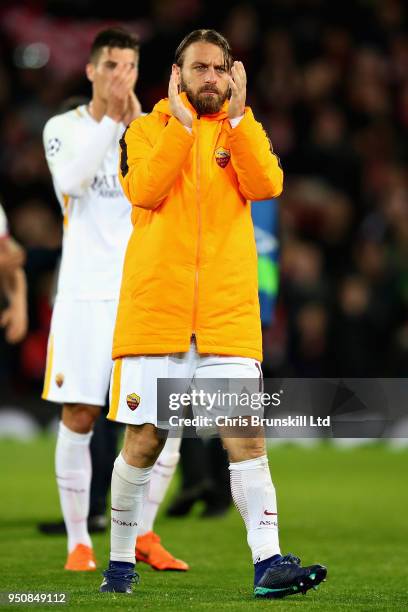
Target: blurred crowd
(329, 82)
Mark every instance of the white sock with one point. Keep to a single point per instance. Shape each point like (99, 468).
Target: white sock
(73, 470)
(254, 496)
(129, 489)
(162, 474)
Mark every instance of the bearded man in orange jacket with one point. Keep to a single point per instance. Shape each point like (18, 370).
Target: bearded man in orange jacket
(188, 306)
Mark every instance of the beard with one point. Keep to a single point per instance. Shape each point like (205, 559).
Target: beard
(204, 103)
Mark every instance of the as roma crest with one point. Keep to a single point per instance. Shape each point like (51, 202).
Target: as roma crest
(133, 400)
(59, 379)
(222, 156)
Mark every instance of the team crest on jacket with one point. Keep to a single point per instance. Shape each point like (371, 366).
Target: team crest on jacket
(133, 400)
(222, 156)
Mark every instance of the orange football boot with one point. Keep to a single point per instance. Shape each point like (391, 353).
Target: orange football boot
(81, 559)
(150, 551)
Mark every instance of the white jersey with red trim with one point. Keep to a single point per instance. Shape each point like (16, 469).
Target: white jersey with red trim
(83, 157)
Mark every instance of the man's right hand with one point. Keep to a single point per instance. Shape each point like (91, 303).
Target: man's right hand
(118, 92)
(177, 107)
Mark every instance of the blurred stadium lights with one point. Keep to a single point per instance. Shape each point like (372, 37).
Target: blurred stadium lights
(35, 55)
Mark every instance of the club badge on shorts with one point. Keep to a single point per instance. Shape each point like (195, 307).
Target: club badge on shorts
(133, 400)
(59, 379)
(222, 156)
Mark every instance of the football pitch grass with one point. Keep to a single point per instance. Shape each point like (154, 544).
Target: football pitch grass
(344, 508)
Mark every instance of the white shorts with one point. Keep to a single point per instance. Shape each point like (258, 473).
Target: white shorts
(133, 389)
(79, 354)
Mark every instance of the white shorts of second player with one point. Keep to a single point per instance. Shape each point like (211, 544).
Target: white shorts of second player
(133, 390)
(79, 355)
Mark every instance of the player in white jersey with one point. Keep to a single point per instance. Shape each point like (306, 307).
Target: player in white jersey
(12, 285)
(82, 151)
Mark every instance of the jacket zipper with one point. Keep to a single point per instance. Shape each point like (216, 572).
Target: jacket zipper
(193, 333)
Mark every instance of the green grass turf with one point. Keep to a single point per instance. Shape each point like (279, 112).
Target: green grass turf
(343, 508)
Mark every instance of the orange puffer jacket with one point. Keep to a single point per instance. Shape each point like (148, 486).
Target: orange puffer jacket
(191, 263)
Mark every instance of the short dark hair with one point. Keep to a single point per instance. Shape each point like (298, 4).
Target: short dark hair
(208, 36)
(113, 37)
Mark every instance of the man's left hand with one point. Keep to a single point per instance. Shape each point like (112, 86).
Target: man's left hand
(237, 82)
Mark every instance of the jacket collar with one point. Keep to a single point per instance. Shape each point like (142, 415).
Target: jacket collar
(163, 106)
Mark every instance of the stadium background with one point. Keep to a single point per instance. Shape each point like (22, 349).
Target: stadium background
(329, 81)
(330, 85)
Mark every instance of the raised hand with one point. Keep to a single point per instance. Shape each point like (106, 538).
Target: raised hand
(134, 109)
(177, 107)
(237, 82)
(118, 92)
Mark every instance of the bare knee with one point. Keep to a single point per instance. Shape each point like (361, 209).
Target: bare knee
(80, 417)
(142, 445)
(244, 449)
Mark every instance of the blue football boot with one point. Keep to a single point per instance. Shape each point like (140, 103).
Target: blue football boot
(278, 577)
(119, 578)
